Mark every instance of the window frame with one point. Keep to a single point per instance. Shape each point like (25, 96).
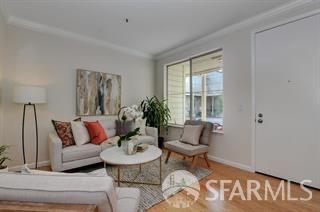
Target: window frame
(191, 91)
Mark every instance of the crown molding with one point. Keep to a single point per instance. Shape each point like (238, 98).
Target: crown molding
(18, 22)
(234, 27)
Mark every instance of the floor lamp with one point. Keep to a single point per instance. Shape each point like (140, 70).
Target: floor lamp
(29, 96)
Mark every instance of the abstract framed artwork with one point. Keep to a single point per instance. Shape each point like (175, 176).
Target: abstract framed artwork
(98, 93)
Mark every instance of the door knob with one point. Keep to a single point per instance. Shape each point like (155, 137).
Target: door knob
(260, 121)
(260, 115)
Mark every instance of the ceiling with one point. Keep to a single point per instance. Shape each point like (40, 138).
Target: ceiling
(154, 26)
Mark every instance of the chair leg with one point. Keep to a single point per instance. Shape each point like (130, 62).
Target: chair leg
(194, 161)
(168, 156)
(206, 159)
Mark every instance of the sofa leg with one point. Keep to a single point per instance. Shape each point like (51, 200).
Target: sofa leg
(168, 156)
(206, 159)
(194, 161)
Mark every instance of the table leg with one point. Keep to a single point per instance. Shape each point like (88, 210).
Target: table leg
(118, 176)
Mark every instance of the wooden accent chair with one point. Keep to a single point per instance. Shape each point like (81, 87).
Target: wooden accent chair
(188, 150)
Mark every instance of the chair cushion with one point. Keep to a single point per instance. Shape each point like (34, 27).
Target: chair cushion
(99, 172)
(206, 132)
(66, 189)
(128, 199)
(191, 134)
(186, 149)
(72, 153)
(146, 139)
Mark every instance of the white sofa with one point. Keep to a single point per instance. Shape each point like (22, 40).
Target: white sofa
(76, 156)
(69, 189)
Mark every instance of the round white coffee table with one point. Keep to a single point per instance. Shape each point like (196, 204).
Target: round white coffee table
(116, 156)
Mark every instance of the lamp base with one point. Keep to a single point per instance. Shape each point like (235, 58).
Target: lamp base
(36, 126)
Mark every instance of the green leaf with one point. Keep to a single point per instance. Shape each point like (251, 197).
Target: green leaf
(156, 112)
(128, 136)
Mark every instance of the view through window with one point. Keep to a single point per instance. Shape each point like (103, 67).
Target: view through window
(195, 89)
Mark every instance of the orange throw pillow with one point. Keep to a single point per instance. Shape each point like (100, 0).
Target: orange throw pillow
(96, 132)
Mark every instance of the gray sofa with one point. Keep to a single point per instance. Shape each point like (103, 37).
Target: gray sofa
(76, 156)
(69, 189)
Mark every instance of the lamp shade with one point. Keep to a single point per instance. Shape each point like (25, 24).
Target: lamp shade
(29, 94)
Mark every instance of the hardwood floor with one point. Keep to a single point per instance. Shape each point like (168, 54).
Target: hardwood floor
(224, 172)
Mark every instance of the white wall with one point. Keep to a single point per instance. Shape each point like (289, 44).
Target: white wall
(235, 146)
(35, 58)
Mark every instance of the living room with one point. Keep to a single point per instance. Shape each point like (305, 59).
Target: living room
(216, 89)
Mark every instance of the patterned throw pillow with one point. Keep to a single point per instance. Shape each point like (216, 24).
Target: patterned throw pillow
(64, 132)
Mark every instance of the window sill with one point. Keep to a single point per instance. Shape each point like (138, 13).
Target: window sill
(220, 132)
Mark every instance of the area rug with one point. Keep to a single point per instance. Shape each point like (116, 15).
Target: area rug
(150, 194)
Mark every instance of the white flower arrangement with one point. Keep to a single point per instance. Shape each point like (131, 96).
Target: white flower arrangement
(131, 113)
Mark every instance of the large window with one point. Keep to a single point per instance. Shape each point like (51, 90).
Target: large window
(195, 89)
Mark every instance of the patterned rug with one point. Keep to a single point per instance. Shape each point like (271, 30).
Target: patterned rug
(150, 194)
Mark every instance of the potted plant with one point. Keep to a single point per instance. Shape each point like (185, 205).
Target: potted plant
(125, 139)
(3, 158)
(157, 113)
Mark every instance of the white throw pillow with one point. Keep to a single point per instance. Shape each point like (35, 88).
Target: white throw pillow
(191, 134)
(80, 133)
(141, 123)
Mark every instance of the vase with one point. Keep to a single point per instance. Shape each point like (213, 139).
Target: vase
(129, 147)
(124, 146)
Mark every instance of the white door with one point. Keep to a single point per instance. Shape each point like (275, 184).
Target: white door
(287, 95)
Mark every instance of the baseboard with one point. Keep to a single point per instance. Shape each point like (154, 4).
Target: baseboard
(211, 157)
(30, 165)
(231, 163)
